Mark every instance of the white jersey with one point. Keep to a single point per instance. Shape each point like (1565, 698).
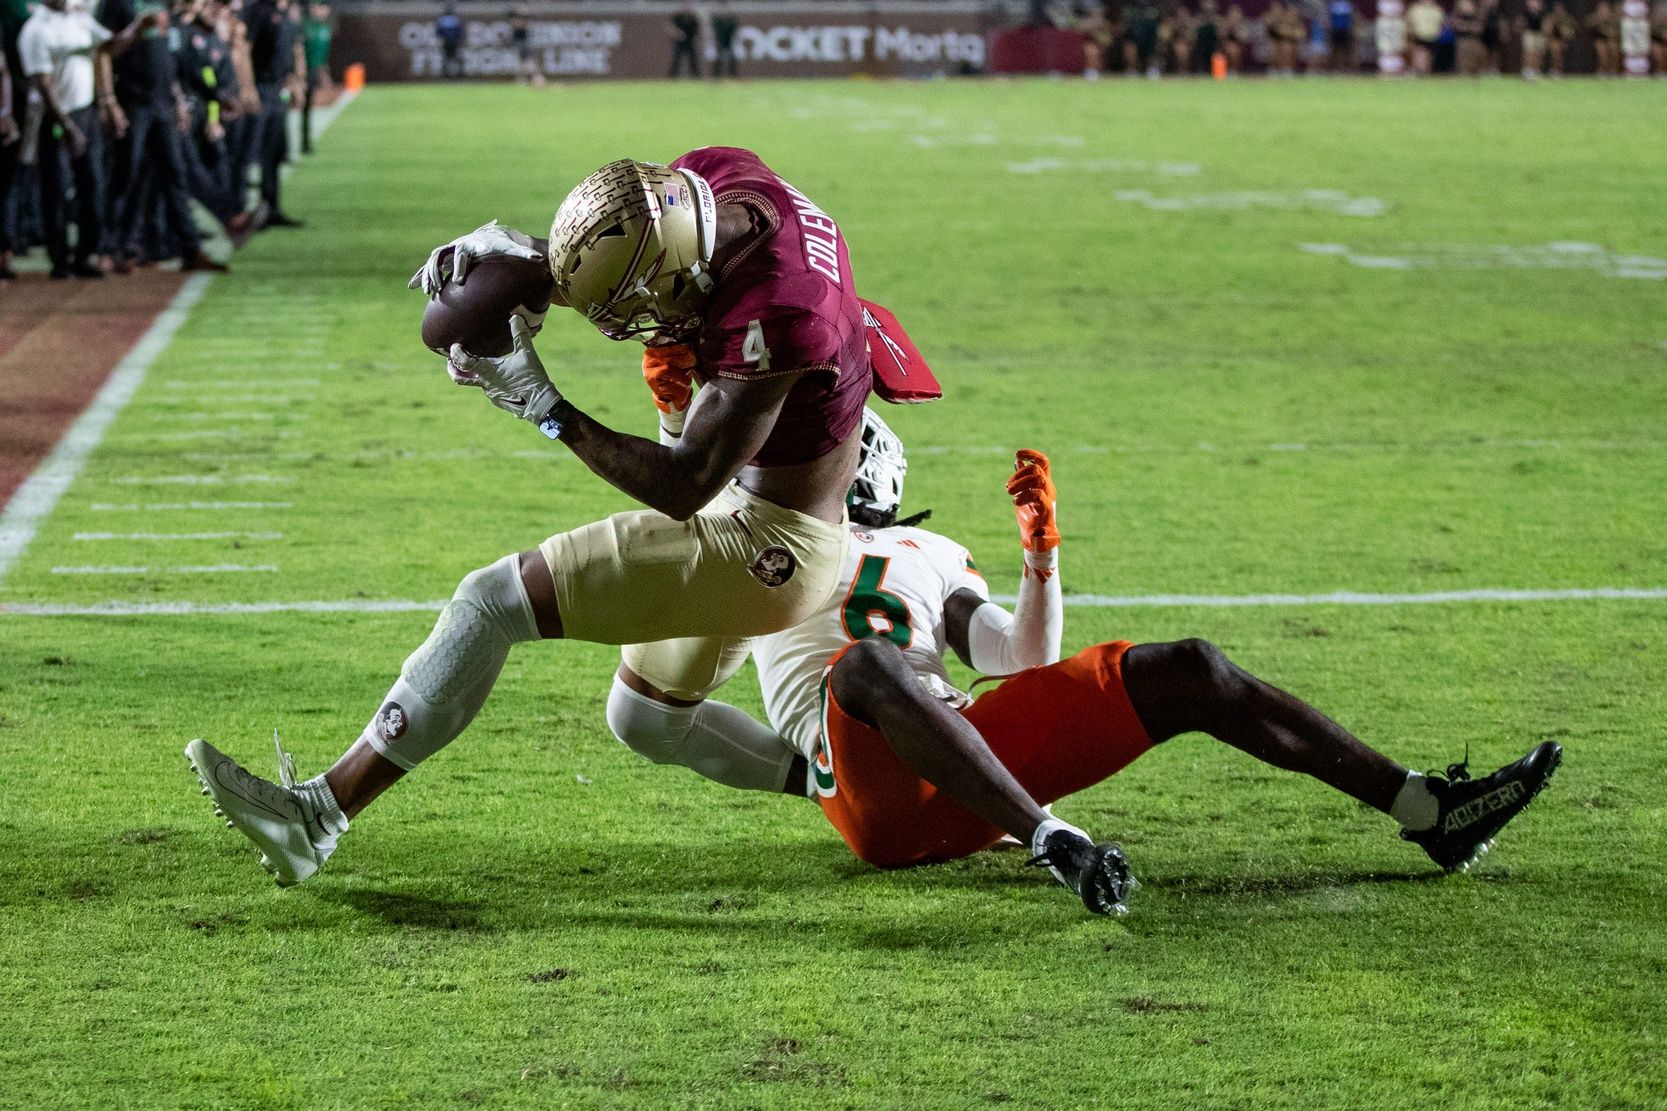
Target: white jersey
(894, 584)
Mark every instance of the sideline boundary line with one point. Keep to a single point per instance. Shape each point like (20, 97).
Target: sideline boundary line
(38, 496)
(1091, 601)
(35, 499)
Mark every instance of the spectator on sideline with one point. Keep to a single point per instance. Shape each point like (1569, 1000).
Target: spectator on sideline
(1604, 23)
(1340, 37)
(280, 70)
(58, 47)
(1287, 31)
(1533, 38)
(1658, 38)
(1097, 37)
(315, 49)
(527, 70)
(1425, 21)
(724, 27)
(1235, 36)
(1140, 47)
(145, 112)
(448, 29)
(243, 132)
(209, 81)
(11, 141)
(685, 34)
(1559, 29)
(1176, 33)
(1467, 33)
(1492, 36)
(1206, 41)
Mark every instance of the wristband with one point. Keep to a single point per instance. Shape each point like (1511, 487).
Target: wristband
(557, 419)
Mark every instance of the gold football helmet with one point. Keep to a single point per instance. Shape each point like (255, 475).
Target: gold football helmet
(631, 248)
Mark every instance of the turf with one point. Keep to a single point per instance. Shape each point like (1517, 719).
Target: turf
(539, 918)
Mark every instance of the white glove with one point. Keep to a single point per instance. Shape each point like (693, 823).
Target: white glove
(454, 257)
(516, 383)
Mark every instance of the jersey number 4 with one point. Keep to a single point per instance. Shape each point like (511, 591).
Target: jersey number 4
(872, 611)
(753, 349)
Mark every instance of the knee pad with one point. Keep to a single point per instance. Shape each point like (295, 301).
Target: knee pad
(487, 614)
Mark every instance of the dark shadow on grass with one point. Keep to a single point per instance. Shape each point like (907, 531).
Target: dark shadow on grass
(404, 909)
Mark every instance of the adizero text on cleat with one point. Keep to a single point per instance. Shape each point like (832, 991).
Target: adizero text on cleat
(1471, 812)
(293, 838)
(1098, 874)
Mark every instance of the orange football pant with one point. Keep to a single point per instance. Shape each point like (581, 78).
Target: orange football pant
(1058, 729)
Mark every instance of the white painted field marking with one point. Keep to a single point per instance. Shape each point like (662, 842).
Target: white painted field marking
(1389, 446)
(1353, 598)
(208, 398)
(1094, 601)
(201, 480)
(208, 569)
(1323, 200)
(236, 383)
(231, 433)
(1105, 166)
(229, 417)
(175, 506)
(178, 536)
(190, 609)
(38, 496)
(1559, 255)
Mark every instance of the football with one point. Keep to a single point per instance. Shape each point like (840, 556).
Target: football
(476, 312)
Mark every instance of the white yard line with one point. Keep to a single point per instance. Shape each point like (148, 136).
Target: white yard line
(236, 383)
(232, 433)
(39, 494)
(1353, 598)
(176, 506)
(200, 480)
(178, 536)
(1135, 601)
(206, 569)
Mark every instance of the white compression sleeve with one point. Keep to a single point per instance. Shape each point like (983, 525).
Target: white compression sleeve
(445, 682)
(1002, 643)
(714, 739)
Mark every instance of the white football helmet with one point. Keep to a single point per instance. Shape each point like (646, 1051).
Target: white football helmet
(631, 248)
(877, 493)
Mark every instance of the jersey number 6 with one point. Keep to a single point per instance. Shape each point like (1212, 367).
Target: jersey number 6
(867, 602)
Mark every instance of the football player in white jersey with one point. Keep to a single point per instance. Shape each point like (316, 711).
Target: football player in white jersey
(911, 770)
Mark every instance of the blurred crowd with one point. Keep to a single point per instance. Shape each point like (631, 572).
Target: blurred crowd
(1467, 37)
(122, 120)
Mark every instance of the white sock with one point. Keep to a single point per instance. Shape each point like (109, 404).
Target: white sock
(716, 740)
(317, 792)
(1415, 806)
(1052, 825)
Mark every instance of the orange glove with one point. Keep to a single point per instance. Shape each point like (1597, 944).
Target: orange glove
(669, 372)
(1033, 494)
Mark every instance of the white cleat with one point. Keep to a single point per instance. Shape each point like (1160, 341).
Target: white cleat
(282, 822)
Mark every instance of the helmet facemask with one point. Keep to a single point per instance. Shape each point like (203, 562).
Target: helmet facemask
(877, 492)
(631, 249)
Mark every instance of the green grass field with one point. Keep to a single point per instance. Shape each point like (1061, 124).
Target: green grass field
(539, 918)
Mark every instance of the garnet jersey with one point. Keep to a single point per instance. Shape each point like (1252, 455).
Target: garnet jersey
(785, 304)
(894, 584)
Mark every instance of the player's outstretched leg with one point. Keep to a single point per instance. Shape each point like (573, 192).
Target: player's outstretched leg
(875, 684)
(1191, 686)
(442, 686)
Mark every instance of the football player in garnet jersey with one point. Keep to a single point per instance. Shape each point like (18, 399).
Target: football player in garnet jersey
(910, 770)
(739, 284)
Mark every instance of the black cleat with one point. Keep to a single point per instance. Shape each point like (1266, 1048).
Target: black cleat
(1098, 873)
(1473, 811)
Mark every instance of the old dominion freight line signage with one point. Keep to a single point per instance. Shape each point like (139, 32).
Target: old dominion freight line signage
(400, 42)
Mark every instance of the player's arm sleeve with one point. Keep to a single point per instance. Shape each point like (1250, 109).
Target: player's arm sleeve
(994, 642)
(779, 340)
